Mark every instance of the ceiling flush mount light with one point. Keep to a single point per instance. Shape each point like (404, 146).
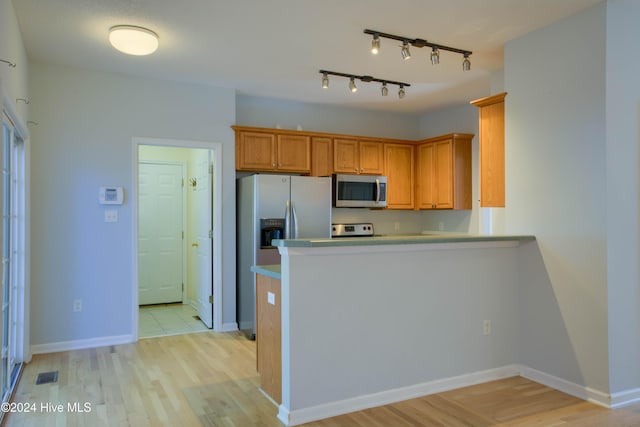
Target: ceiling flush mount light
(325, 81)
(375, 44)
(133, 40)
(435, 48)
(367, 79)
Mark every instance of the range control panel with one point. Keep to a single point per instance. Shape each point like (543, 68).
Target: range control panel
(352, 230)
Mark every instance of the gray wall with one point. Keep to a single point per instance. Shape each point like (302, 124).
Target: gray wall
(555, 174)
(14, 80)
(269, 113)
(87, 120)
(622, 177)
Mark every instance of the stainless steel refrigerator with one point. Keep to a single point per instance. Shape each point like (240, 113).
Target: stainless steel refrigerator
(304, 202)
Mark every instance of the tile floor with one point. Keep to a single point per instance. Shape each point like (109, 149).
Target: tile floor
(168, 319)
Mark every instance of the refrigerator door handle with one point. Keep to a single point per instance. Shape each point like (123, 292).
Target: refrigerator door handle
(294, 218)
(287, 220)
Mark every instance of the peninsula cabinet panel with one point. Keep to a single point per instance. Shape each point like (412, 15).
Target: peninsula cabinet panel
(399, 169)
(444, 172)
(255, 151)
(321, 156)
(269, 336)
(491, 150)
(293, 153)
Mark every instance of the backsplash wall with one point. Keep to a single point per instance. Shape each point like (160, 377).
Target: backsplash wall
(384, 221)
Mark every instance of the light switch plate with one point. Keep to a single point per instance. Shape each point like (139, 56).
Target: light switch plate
(271, 298)
(111, 215)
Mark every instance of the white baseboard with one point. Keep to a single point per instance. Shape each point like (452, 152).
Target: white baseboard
(55, 347)
(332, 409)
(229, 327)
(577, 390)
(625, 398)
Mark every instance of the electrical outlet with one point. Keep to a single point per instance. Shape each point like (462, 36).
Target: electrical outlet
(77, 305)
(440, 226)
(396, 226)
(486, 326)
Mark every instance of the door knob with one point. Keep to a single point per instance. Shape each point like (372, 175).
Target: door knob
(195, 245)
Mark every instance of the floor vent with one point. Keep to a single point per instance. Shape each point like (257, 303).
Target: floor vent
(47, 377)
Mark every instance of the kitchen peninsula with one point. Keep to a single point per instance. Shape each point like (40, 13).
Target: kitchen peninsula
(369, 321)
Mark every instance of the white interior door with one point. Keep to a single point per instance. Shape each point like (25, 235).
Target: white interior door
(160, 233)
(204, 245)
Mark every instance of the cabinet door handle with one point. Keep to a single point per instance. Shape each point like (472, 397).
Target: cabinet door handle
(273, 165)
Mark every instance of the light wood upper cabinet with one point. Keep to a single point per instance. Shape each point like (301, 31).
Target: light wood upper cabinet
(444, 172)
(270, 151)
(358, 156)
(399, 169)
(255, 151)
(345, 156)
(321, 156)
(492, 165)
(371, 157)
(293, 153)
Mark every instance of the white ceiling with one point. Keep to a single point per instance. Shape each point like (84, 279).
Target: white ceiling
(274, 48)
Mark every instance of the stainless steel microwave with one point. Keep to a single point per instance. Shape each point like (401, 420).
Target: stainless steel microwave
(359, 191)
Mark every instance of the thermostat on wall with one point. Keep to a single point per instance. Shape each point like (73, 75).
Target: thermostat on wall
(111, 195)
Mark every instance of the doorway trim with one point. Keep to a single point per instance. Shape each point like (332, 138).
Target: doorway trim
(216, 149)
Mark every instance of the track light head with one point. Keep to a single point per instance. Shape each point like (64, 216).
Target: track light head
(435, 56)
(375, 44)
(401, 92)
(385, 89)
(466, 64)
(352, 85)
(325, 81)
(405, 50)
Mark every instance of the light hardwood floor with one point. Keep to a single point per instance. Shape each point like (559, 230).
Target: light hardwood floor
(210, 379)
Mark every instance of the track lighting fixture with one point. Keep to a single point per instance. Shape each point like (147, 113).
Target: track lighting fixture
(405, 50)
(435, 56)
(367, 79)
(375, 44)
(435, 48)
(466, 64)
(352, 85)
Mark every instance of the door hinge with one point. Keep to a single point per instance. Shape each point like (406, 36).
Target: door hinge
(210, 299)
(211, 234)
(183, 287)
(183, 182)
(210, 168)
(182, 234)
